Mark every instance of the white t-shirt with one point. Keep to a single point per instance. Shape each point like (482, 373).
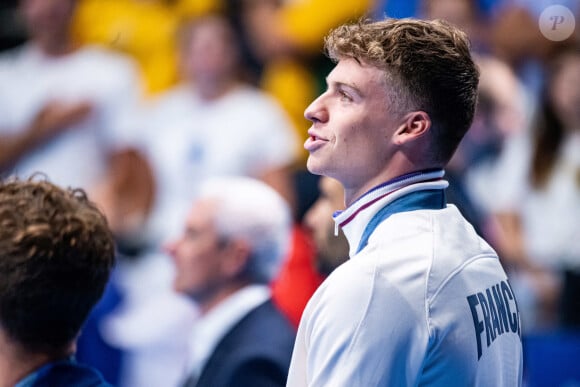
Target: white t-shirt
(550, 216)
(30, 79)
(187, 139)
(425, 303)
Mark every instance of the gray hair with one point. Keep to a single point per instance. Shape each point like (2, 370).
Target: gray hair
(250, 210)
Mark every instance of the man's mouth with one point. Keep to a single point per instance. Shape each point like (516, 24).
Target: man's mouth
(314, 142)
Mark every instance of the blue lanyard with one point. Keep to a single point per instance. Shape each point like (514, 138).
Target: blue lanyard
(433, 199)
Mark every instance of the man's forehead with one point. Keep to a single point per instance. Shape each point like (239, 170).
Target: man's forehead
(202, 211)
(356, 74)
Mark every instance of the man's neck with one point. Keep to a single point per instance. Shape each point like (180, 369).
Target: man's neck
(226, 291)
(212, 91)
(16, 363)
(55, 47)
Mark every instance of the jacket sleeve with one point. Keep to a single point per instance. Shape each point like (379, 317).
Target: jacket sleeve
(362, 331)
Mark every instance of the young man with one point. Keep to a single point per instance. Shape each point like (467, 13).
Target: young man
(236, 235)
(56, 256)
(423, 299)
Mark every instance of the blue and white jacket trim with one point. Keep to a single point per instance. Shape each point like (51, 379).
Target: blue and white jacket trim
(354, 218)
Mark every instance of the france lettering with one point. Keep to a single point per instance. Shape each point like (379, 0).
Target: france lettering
(495, 313)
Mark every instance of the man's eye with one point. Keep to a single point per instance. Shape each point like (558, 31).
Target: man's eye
(192, 234)
(344, 96)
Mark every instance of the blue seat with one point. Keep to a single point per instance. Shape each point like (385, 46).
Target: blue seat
(552, 359)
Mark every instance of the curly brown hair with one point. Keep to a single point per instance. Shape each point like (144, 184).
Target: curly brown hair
(428, 66)
(56, 255)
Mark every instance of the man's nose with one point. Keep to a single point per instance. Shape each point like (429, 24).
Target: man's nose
(316, 111)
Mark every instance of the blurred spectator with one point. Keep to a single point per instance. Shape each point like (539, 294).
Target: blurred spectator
(235, 237)
(62, 109)
(501, 112)
(537, 202)
(213, 124)
(57, 253)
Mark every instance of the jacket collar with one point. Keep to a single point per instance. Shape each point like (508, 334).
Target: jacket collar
(354, 218)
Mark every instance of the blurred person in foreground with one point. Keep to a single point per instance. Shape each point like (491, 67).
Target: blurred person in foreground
(235, 236)
(423, 300)
(64, 111)
(57, 253)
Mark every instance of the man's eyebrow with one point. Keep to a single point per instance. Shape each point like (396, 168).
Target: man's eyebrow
(191, 230)
(349, 86)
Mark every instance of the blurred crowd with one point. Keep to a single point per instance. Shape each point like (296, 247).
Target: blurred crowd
(139, 101)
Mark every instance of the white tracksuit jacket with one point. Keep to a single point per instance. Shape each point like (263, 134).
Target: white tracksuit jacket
(425, 303)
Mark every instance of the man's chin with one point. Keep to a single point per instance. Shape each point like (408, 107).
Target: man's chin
(180, 288)
(314, 167)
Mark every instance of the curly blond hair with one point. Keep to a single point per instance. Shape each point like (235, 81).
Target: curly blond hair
(428, 66)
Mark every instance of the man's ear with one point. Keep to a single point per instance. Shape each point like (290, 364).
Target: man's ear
(413, 125)
(238, 253)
